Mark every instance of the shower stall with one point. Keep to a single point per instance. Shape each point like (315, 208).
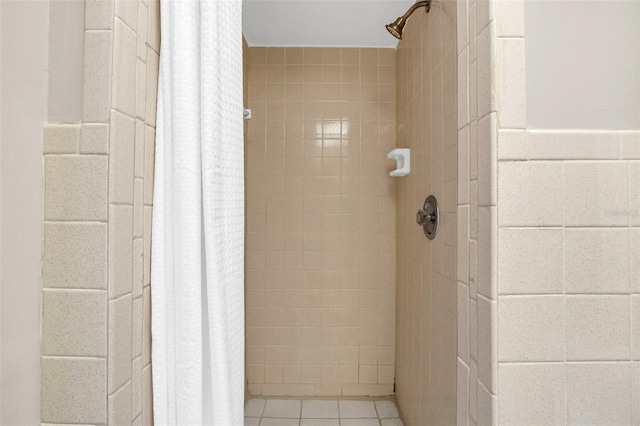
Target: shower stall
(522, 120)
(346, 297)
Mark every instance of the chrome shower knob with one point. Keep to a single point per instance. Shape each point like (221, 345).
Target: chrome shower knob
(423, 217)
(429, 217)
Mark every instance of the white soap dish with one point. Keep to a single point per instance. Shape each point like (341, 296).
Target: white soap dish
(403, 161)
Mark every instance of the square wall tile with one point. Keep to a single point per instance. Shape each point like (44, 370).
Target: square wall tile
(523, 191)
(119, 342)
(596, 194)
(599, 393)
(60, 139)
(74, 390)
(94, 138)
(531, 328)
(75, 255)
(630, 145)
(596, 260)
(75, 187)
(74, 323)
(531, 394)
(597, 328)
(530, 261)
(513, 144)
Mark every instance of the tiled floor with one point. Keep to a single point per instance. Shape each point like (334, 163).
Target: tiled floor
(295, 412)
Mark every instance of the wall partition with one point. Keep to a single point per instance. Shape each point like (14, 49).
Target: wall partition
(564, 176)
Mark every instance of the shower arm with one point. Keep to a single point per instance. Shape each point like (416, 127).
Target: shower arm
(424, 3)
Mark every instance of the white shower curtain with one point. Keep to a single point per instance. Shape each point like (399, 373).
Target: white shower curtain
(198, 217)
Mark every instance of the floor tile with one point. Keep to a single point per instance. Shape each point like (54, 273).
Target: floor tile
(282, 408)
(357, 409)
(251, 421)
(316, 409)
(320, 422)
(359, 422)
(386, 409)
(254, 408)
(392, 422)
(279, 422)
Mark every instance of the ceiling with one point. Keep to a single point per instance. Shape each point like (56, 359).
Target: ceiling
(334, 23)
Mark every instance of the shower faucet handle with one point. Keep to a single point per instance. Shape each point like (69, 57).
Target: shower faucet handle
(423, 217)
(428, 217)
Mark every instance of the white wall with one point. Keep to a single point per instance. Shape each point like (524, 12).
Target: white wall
(582, 66)
(24, 35)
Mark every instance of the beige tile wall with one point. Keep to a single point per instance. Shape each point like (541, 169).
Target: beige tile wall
(426, 365)
(321, 222)
(98, 194)
(560, 285)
